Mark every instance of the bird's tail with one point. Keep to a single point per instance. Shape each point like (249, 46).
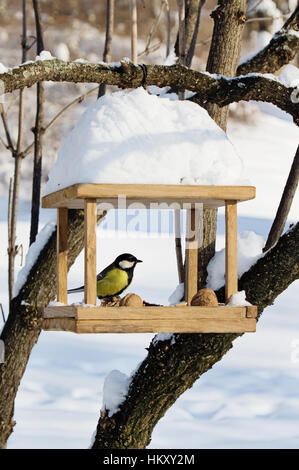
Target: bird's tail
(77, 289)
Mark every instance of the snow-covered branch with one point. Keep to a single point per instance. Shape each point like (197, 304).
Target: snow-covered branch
(280, 51)
(208, 88)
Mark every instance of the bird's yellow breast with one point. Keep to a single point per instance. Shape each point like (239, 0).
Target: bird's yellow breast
(114, 281)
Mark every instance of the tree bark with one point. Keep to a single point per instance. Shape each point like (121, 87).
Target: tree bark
(285, 204)
(280, 51)
(221, 91)
(23, 325)
(229, 18)
(108, 39)
(38, 133)
(170, 369)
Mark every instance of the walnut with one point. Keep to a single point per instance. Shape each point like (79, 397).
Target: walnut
(131, 300)
(205, 297)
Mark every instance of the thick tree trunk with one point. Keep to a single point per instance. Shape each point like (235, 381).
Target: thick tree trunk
(229, 18)
(223, 59)
(23, 326)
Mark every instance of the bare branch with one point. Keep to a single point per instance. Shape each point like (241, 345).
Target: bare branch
(58, 116)
(38, 133)
(191, 50)
(285, 204)
(208, 88)
(9, 145)
(13, 249)
(168, 28)
(148, 49)
(108, 39)
(280, 51)
(133, 13)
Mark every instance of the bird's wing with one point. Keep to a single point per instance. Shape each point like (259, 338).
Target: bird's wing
(114, 281)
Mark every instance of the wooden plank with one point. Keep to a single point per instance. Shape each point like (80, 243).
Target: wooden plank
(145, 313)
(191, 256)
(150, 319)
(164, 326)
(231, 263)
(149, 192)
(90, 245)
(59, 324)
(158, 326)
(251, 311)
(62, 223)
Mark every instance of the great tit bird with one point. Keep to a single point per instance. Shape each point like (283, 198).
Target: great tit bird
(114, 279)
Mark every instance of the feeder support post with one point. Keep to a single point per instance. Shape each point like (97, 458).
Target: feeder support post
(193, 234)
(231, 261)
(62, 222)
(90, 272)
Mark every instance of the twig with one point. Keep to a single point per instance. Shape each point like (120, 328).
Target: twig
(108, 39)
(168, 28)
(182, 39)
(2, 311)
(190, 53)
(9, 212)
(38, 134)
(133, 13)
(58, 116)
(285, 204)
(265, 18)
(152, 31)
(149, 50)
(9, 145)
(12, 248)
(254, 7)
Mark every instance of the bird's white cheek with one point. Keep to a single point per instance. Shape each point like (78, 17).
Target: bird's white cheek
(126, 264)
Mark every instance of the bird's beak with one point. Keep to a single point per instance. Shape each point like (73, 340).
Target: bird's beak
(139, 261)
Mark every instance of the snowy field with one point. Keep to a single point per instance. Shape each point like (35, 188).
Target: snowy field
(248, 400)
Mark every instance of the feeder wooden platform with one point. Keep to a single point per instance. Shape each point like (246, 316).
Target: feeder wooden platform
(178, 319)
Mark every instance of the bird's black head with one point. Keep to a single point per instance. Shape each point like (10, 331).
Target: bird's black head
(126, 261)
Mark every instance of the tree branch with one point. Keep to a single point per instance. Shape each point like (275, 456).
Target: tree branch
(108, 39)
(23, 324)
(280, 51)
(9, 145)
(285, 204)
(170, 369)
(38, 133)
(208, 88)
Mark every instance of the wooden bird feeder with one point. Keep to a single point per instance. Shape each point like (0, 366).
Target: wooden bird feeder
(150, 319)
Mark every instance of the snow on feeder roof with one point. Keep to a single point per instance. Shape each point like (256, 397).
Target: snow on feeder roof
(137, 138)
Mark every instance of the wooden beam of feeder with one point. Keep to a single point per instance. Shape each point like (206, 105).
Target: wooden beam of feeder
(62, 221)
(231, 262)
(90, 271)
(191, 257)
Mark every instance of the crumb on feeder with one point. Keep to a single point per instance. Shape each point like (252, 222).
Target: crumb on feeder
(205, 297)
